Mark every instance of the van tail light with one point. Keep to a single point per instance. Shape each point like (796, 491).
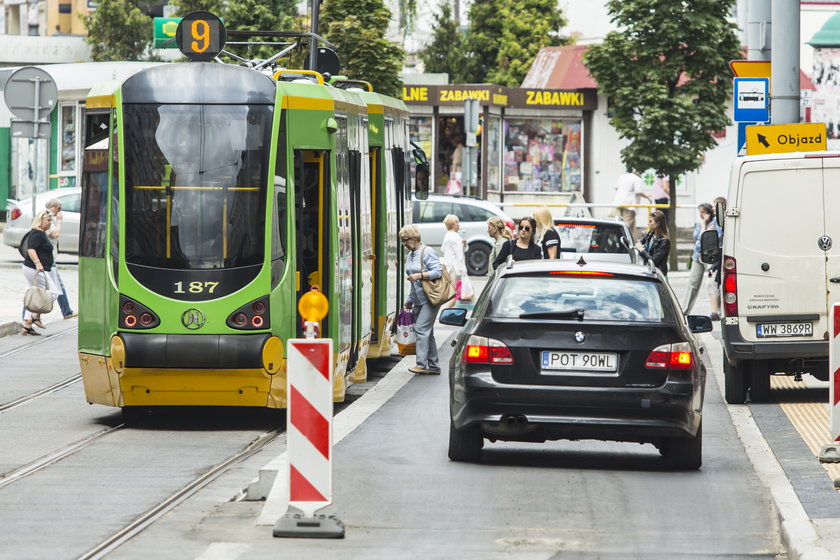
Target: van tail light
(15, 214)
(677, 356)
(483, 350)
(729, 281)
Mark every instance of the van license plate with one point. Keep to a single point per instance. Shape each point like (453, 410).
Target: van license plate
(769, 330)
(579, 361)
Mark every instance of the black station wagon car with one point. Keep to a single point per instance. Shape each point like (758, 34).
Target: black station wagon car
(563, 349)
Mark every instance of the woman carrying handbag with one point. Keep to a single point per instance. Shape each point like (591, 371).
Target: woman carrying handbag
(37, 262)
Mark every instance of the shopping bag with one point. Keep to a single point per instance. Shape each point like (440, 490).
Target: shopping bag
(467, 292)
(406, 338)
(37, 299)
(453, 186)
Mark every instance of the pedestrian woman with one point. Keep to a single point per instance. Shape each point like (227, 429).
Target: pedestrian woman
(655, 245)
(500, 233)
(698, 269)
(546, 235)
(714, 269)
(453, 248)
(37, 263)
(421, 264)
(523, 248)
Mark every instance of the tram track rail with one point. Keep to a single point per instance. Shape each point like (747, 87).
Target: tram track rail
(152, 515)
(38, 394)
(54, 457)
(36, 343)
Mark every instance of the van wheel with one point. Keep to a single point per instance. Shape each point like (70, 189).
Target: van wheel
(759, 373)
(466, 444)
(685, 453)
(736, 386)
(478, 259)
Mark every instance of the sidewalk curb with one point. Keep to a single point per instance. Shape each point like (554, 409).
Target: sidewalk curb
(13, 327)
(798, 534)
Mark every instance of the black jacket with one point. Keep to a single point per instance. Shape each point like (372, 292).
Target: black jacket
(659, 250)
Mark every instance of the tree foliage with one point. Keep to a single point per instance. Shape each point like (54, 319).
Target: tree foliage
(260, 15)
(357, 29)
(666, 76)
(504, 37)
(184, 7)
(443, 54)
(118, 30)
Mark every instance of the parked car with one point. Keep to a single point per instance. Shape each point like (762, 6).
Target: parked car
(601, 239)
(559, 349)
(19, 217)
(473, 213)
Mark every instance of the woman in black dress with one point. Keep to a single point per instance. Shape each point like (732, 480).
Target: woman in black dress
(522, 248)
(38, 258)
(655, 245)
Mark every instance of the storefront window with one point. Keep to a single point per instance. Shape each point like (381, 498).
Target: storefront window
(542, 155)
(494, 156)
(67, 139)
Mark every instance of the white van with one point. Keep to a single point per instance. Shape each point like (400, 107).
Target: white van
(780, 269)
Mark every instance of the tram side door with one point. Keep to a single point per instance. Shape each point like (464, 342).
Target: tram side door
(313, 224)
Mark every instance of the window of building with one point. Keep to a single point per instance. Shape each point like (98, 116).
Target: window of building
(68, 139)
(542, 155)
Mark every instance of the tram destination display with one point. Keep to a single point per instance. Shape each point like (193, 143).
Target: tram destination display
(201, 36)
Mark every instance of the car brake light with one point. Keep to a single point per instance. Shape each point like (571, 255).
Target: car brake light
(671, 356)
(483, 350)
(15, 214)
(730, 287)
(580, 273)
(561, 224)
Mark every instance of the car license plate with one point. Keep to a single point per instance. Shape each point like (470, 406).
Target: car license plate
(579, 361)
(770, 330)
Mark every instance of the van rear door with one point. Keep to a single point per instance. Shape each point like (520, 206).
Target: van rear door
(831, 230)
(781, 270)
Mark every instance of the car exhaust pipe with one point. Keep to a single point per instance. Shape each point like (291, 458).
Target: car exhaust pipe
(521, 420)
(509, 420)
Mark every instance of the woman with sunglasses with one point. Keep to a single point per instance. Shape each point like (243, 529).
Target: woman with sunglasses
(655, 245)
(422, 263)
(524, 247)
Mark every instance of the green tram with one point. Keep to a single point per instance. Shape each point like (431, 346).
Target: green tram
(214, 196)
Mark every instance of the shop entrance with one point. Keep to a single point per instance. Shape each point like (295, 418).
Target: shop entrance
(449, 178)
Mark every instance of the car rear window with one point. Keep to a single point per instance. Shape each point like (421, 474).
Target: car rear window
(600, 298)
(476, 214)
(591, 238)
(433, 211)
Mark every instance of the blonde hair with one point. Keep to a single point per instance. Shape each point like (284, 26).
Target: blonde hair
(499, 224)
(39, 217)
(544, 220)
(450, 220)
(410, 230)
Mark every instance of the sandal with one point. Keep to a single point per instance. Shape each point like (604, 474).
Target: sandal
(38, 323)
(30, 331)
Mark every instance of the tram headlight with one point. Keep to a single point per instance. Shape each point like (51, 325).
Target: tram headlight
(134, 315)
(251, 316)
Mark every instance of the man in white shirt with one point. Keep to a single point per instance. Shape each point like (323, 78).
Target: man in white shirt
(629, 190)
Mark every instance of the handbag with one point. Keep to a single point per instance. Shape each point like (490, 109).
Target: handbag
(437, 291)
(406, 337)
(37, 299)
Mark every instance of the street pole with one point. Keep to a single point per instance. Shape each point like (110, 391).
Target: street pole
(759, 28)
(313, 46)
(784, 73)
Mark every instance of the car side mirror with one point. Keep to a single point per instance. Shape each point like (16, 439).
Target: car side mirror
(699, 323)
(709, 247)
(454, 316)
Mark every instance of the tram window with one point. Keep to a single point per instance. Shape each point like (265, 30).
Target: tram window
(94, 185)
(115, 205)
(278, 234)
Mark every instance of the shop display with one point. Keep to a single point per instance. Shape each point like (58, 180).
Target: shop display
(542, 155)
(68, 138)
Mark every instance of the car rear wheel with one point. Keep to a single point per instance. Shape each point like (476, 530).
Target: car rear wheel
(685, 453)
(465, 445)
(478, 259)
(759, 372)
(736, 386)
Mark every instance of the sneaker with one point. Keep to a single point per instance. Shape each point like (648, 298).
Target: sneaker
(71, 315)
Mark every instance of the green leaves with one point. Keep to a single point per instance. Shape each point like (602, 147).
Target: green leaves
(443, 53)
(118, 30)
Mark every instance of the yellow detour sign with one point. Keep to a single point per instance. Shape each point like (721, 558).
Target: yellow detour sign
(778, 138)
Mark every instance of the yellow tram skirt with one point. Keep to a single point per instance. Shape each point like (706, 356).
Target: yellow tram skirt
(185, 387)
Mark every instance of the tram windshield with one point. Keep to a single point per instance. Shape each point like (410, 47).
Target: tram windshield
(195, 184)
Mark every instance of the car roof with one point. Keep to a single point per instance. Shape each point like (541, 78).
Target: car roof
(579, 265)
(465, 199)
(53, 193)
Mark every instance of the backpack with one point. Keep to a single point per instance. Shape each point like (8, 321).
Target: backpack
(23, 244)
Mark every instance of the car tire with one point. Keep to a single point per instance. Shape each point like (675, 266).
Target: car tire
(465, 445)
(736, 383)
(759, 373)
(478, 259)
(685, 453)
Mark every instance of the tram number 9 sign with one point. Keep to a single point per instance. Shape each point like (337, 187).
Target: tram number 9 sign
(201, 36)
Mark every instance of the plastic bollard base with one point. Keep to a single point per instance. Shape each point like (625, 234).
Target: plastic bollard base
(297, 525)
